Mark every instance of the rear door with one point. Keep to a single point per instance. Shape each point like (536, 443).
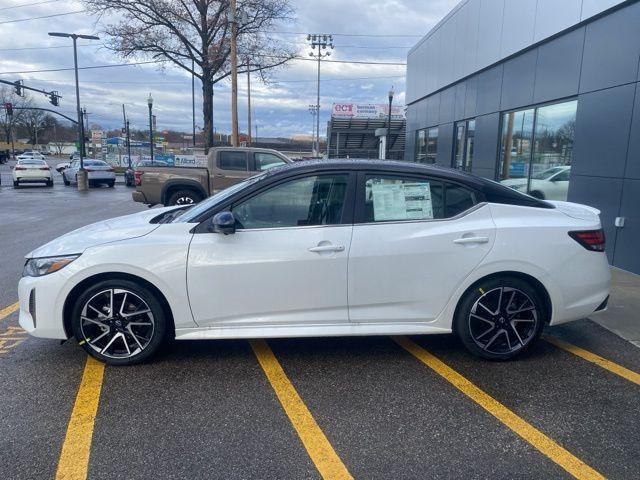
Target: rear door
(414, 241)
(232, 166)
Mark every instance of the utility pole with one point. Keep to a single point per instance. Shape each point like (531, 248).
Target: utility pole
(126, 133)
(321, 42)
(85, 116)
(248, 104)
(388, 145)
(234, 73)
(313, 110)
(150, 104)
(193, 101)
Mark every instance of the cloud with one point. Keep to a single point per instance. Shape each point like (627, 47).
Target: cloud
(280, 107)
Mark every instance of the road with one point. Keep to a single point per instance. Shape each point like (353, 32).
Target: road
(373, 407)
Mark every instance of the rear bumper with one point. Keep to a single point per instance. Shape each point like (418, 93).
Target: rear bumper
(101, 177)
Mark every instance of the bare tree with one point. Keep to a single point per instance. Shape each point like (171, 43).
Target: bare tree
(182, 31)
(8, 123)
(33, 121)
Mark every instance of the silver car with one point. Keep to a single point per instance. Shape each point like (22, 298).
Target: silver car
(98, 171)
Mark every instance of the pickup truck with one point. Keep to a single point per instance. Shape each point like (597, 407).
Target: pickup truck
(225, 166)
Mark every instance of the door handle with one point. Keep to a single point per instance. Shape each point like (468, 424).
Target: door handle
(327, 248)
(468, 240)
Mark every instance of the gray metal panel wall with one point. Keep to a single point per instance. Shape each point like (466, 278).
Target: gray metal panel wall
(445, 144)
(485, 148)
(518, 80)
(633, 156)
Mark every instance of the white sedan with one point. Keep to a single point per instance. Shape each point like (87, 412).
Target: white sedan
(30, 156)
(98, 172)
(32, 171)
(324, 248)
(550, 184)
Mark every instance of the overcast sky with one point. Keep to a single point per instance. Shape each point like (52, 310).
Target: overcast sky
(280, 109)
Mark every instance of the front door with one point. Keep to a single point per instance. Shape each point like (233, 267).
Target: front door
(286, 264)
(416, 239)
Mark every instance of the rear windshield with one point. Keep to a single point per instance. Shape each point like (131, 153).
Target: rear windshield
(31, 162)
(95, 163)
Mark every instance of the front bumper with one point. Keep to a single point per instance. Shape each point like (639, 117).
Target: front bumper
(40, 315)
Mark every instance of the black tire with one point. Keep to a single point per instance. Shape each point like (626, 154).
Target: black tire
(82, 330)
(16, 184)
(65, 181)
(112, 184)
(183, 197)
(50, 183)
(510, 333)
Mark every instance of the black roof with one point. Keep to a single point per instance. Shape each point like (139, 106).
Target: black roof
(492, 191)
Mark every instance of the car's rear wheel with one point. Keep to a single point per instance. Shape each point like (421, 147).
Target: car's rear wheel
(184, 197)
(119, 322)
(49, 183)
(16, 184)
(500, 318)
(112, 184)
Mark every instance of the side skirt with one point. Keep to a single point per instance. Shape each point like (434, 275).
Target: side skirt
(332, 330)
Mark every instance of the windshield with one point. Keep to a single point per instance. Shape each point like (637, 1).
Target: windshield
(544, 175)
(31, 162)
(197, 210)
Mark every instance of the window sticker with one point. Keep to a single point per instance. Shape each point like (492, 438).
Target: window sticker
(401, 201)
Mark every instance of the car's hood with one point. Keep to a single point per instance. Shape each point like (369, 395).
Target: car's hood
(107, 231)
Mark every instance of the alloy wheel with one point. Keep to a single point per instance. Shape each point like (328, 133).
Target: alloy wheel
(503, 320)
(117, 323)
(184, 200)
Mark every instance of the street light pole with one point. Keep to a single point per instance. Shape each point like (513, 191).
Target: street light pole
(83, 182)
(234, 73)
(321, 42)
(313, 111)
(389, 124)
(150, 103)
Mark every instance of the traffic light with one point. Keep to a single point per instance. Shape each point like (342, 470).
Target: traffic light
(9, 108)
(53, 99)
(18, 87)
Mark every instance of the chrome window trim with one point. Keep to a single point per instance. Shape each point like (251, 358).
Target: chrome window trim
(477, 206)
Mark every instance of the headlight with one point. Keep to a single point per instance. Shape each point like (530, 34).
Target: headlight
(36, 267)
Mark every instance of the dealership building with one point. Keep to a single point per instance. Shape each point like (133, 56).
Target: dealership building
(541, 95)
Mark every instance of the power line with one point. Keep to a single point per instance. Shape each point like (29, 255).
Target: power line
(164, 61)
(28, 4)
(353, 34)
(43, 16)
(49, 47)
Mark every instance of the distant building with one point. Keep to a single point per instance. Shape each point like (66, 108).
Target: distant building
(540, 95)
(351, 130)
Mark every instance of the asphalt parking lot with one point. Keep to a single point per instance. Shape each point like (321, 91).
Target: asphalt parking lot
(374, 407)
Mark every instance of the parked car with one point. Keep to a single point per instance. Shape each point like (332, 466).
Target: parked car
(362, 248)
(129, 173)
(225, 166)
(30, 156)
(550, 184)
(60, 167)
(29, 170)
(99, 172)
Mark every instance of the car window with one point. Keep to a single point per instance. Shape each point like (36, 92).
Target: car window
(95, 163)
(314, 200)
(562, 176)
(232, 161)
(393, 198)
(457, 199)
(265, 161)
(31, 162)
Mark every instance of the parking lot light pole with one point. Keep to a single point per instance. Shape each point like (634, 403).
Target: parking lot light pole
(83, 181)
(150, 103)
(389, 123)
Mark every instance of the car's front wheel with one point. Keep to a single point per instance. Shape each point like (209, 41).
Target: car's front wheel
(119, 322)
(500, 318)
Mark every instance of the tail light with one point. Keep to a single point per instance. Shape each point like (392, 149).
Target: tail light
(137, 177)
(590, 239)
(88, 169)
(19, 168)
(110, 169)
(45, 168)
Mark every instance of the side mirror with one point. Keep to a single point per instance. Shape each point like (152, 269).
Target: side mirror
(223, 222)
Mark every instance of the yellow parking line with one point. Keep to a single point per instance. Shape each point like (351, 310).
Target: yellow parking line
(593, 358)
(74, 457)
(528, 432)
(8, 310)
(314, 440)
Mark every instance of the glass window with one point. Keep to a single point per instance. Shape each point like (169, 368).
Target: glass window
(265, 161)
(457, 200)
(232, 161)
(463, 152)
(316, 200)
(537, 148)
(392, 198)
(426, 145)
(515, 152)
(421, 146)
